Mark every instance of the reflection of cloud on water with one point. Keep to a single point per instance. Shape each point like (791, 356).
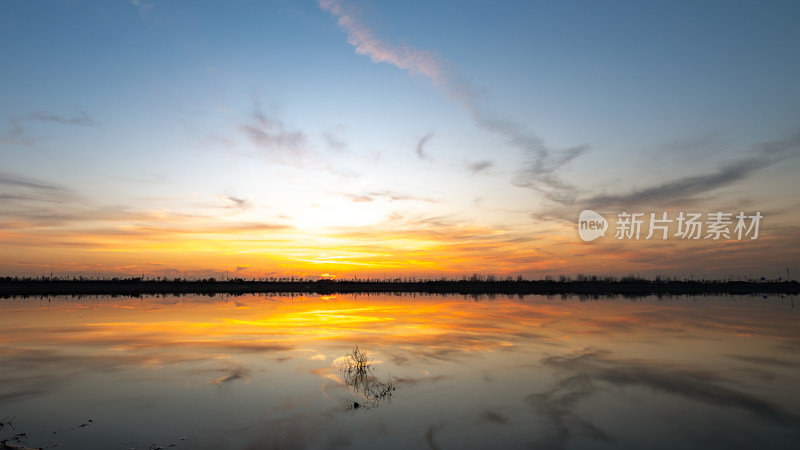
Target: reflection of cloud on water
(443, 346)
(434, 351)
(587, 368)
(430, 434)
(766, 361)
(17, 388)
(319, 429)
(557, 406)
(243, 346)
(294, 432)
(696, 384)
(729, 320)
(231, 374)
(411, 381)
(35, 372)
(493, 416)
(137, 402)
(304, 430)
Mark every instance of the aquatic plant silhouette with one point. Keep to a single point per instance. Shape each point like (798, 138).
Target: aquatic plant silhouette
(358, 375)
(7, 422)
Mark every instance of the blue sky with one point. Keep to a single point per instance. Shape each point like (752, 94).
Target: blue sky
(326, 121)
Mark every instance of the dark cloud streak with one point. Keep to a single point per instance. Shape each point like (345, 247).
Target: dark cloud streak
(272, 135)
(19, 187)
(238, 203)
(420, 149)
(17, 129)
(480, 166)
(685, 189)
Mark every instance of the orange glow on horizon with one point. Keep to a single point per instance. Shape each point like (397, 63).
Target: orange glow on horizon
(225, 250)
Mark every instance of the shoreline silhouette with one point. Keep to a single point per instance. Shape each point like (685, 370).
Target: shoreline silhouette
(12, 287)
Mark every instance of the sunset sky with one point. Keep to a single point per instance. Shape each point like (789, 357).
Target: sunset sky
(365, 138)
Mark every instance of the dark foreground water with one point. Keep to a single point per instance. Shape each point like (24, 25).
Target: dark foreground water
(446, 372)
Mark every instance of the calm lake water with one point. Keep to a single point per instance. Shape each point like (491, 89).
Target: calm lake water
(263, 371)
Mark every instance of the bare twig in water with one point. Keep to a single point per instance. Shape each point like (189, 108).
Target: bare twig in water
(357, 361)
(17, 441)
(7, 423)
(357, 374)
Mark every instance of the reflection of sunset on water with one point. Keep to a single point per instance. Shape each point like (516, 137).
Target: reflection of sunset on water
(501, 359)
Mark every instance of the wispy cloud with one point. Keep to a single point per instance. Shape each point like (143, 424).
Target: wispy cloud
(540, 171)
(238, 203)
(684, 190)
(23, 188)
(421, 153)
(690, 148)
(79, 119)
(390, 196)
(144, 7)
(21, 142)
(359, 198)
(333, 141)
(17, 125)
(542, 163)
(480, 166)
(687, 189)
(272, 136)
(36, 213)
(366, 43)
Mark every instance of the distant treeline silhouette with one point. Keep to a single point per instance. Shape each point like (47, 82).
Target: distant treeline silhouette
(476, 284)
